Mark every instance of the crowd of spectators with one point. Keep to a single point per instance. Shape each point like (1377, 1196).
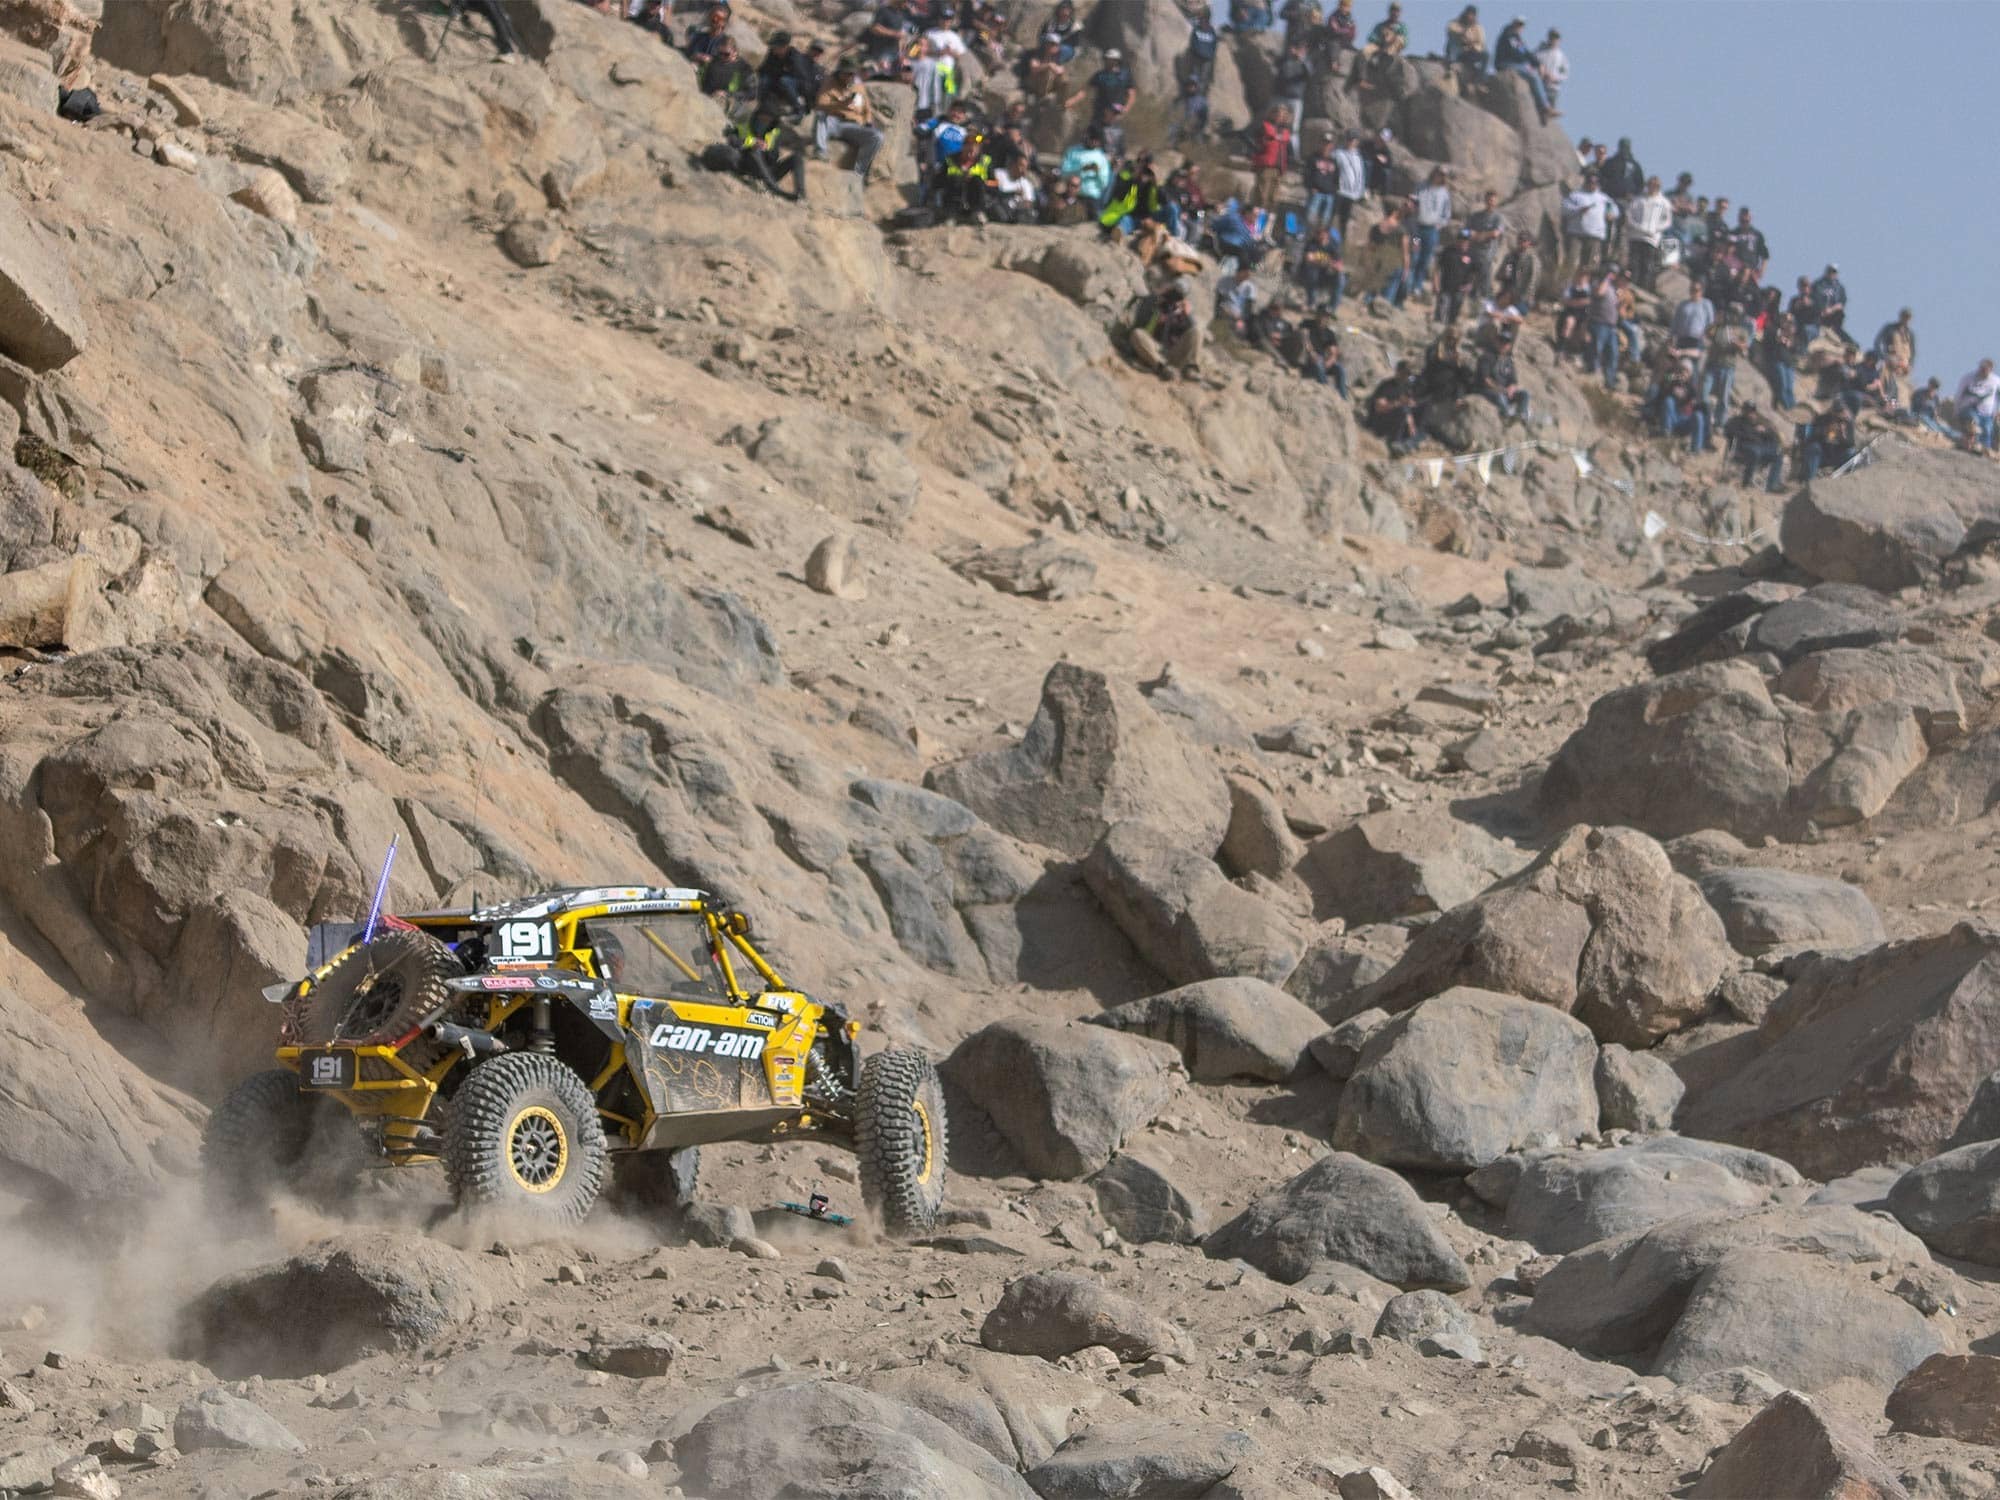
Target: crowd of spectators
(1324, 222)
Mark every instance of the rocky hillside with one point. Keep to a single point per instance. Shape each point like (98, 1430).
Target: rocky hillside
(1481, 994)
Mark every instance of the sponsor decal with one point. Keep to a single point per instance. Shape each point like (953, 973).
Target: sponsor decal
(506, 982)
(708, 1041)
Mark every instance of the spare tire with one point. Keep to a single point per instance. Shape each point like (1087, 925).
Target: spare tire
(375, 992)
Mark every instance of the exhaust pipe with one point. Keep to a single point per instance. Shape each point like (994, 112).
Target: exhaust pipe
(472, 1043)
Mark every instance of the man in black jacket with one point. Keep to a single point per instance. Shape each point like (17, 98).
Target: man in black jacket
(787, 77)
(1622, 179)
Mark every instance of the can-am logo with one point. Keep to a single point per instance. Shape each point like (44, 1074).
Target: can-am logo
(708, 1041)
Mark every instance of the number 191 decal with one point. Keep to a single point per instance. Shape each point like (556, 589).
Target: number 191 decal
(527, 942)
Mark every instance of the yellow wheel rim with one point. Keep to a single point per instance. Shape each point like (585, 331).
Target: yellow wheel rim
(924, 1126)
(537, 1150)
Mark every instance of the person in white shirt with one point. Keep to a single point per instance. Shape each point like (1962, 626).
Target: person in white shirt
(1016, 186)
(1647, 220)
(935, 72)
(1353, 184)
(1978, 401)
(1587, 215)
(1554, 65)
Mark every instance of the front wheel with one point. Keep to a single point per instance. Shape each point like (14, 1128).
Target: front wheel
(899, 1138)
(256, 1138)
(524, 1135)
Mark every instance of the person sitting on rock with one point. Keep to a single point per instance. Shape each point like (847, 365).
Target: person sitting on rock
(1465, 42)
(761, 157)
(1395, 409)
(1236, 301)
(1830, 301)
(1276, 332)
(1829, 442)
(1754, 442)
(1063, 204)
(1511, 54)
(1320, 360)
(1497, 380)
(1386, 43)
(703, 40)
(846, 113)
(986, 33)
(1925, 410)
(1335, 37)
(1090, 164)
(1446, 375)
(1165, 335)
(1680, 407)
(726, 78)
(1135, 198)
(1234, 239)
(967, 181)
(1322, 274)
(885, 39)
(1063, 28)
(1572, 317)
(786, 77)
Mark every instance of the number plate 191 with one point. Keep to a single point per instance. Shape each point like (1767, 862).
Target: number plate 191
(326, 1070)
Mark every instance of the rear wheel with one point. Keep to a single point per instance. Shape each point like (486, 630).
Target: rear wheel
(255, 1138)
(899, 1137)
(375, 993)
(524, 1135)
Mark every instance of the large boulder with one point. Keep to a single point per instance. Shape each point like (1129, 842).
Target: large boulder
(1020, 1411)
(215, 1418)
(1765, 909)
(1182, 913)
(1890, 523)
(1952, 1202)
(1519, 942)
(1864, 1060)
(1095, 754)
(41, 321)
(1064, 1097)
(1053, 1313)
(1953, 1396)
(1622, 1297)
(1801, 1451)
(1826, 617)
(1560, 1201)
(332, 1304)
(1811, 1325)
(1466, 1077)
(826, 1437)
(1346, 1209)
(1710, 747)
(1224, 1028)
(1398, 864)
(1636, 1090)
(1140, 1199)
(91, 1132)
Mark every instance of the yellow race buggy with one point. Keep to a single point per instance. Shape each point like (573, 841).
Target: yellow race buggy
(535, 1046)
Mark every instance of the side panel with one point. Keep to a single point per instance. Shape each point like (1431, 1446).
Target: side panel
(695, 1057)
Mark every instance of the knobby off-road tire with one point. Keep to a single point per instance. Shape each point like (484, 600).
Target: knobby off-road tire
(376, 992)
(524, 1136)
(256, 1138)
(900, 1140)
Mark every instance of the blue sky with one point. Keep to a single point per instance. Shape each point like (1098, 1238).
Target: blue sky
(1862, 134)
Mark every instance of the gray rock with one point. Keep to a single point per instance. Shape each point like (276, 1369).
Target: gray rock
(634, 1352)
(1095, 754)
(1346, 1209)
(1224, 1028)
(1809, 1324)
(1160, 1460)
(1891, 523)
(1635, 1091)
(1863, 1060)
(1560, 1201)
(334, 1303)
(1143, 1203)
(1518, 942)
(1823, 618)
(1540, 595)
(1335, 967)
(1258, 841)
(717, 1225)
(1044, 569)
(1339, 1051)
(1981, 1120)
(216, 1419)
(1063, 1096)
(815, 1437)
(1187, 919)
(1018, 1410)
(1796, 1449)
(41, 320)
(534, 242)
(1053, 1313)
(1623, 1296)
(1952, 1202)
(1704, 635)
(1398, 864)
(1417, 1315)
(1739, 1385)
(1464, 1078)
(1764, 909)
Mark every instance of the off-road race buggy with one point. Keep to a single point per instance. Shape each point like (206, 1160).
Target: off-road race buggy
(535, 1046)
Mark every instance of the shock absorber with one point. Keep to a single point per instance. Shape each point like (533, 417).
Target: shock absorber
(541, 1035)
